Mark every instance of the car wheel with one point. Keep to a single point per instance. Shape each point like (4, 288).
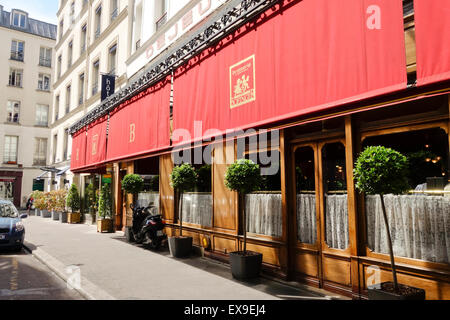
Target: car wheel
(18, 248)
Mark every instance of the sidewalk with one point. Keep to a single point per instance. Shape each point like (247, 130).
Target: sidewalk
(111, 268)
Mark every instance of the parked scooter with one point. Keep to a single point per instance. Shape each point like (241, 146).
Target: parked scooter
(147, 226)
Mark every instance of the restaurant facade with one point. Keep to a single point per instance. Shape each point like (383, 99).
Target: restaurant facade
(300, 87)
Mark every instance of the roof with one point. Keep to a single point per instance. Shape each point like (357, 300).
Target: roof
(33, 26)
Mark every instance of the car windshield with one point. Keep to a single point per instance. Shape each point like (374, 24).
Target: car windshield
(8, 211)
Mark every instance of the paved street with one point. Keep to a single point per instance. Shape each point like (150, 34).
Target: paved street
(111, 268)
(24, 277)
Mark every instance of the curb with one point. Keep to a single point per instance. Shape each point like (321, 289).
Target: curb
(86, 288)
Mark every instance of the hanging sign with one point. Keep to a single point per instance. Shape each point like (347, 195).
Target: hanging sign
(108, 85)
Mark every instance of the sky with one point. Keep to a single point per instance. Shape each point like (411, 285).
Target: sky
(44, 10)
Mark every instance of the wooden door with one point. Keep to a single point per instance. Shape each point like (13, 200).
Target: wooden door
(319, 237)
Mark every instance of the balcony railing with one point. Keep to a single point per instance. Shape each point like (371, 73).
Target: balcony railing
(17, 55)
(94, 88)
(43, 86)
(39, 162)
(42, 123)
(83, 48)
(97, 33)
(45, 62)
(161, 21)
(80, 100)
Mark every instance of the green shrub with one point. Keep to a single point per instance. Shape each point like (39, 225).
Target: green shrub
(183, 178)
(73, 198)
(381, 170)
(132, 183)
(105, 201)
(243, 176)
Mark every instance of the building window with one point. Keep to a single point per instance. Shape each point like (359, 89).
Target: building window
(40, 152)
(114, 9)
(72, 11)
(112, 59)
(161, 17)
(68, 94)
(59, 66)
(17, 50)
(44, 82)
(55, 143)
(95, 77)
(56, 108)
(98, 21)
(42, 115)
(18, 19)
(61, 28)
(10, 149)
(81, 89)
(15, 77)
(45, 57)
(66, 142)
(83, 38)
(13, 111)
(70, 54)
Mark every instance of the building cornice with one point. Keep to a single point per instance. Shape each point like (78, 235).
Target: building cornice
(83, 107)
(229, 18)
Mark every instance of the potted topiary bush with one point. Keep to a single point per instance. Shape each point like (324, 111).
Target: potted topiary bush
(46, 205)
(73, 202)
(380, 171)
(37, 195)
(104, 223)
(132, 184)
(91, 202)
(60, 205)
(183, 178)
(244, 177)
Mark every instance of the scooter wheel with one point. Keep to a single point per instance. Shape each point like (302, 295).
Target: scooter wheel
(152, 244)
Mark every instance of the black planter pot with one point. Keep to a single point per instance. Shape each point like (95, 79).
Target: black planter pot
(245, 266)
(63, 217)
(379, 292)
(180, 247)
(129, 234)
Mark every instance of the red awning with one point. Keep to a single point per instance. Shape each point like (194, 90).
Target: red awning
(96, 142)
(432, 20)
(303, 57)
(141, 125)
(78, 157)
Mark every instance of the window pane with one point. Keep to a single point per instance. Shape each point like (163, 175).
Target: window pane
(335, 191)
(306, 195)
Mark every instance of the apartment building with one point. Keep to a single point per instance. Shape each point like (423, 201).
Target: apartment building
(26, 101)
(92, 40)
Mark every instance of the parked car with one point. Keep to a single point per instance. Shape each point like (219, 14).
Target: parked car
(12, 231)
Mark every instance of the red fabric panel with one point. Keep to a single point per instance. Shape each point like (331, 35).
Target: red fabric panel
(78, 157)
(307, 56)
(142, 124)
(432, 40)
(96, 142)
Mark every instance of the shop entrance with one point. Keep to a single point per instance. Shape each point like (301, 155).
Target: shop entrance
(320, 234)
